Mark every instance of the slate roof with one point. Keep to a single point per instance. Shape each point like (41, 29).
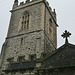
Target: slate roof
(62, 57)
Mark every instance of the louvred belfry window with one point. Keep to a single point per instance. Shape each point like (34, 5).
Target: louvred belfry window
(25, 21)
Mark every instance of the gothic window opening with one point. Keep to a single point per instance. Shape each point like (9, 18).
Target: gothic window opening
(32, 58)
(21, 41)
(25, 21)
(50, 20)
(50, 25)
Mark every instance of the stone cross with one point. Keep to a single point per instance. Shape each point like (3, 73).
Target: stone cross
(66, 34)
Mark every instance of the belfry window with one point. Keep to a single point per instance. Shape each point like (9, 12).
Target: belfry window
(25, 21)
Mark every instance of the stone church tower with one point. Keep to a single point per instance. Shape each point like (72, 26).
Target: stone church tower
(32, 32)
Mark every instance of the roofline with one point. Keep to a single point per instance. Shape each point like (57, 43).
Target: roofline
(50, 13)
(69, 66)
(27, 5)
(68, 44)
(11, 70)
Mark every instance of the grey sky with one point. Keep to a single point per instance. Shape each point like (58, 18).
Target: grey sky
(65, 10)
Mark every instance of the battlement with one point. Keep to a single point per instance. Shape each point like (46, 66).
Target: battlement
(25, 4)
(29, 3)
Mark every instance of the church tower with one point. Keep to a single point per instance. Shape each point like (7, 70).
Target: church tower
(32, 32)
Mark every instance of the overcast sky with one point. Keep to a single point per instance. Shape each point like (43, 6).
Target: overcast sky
(65, 10)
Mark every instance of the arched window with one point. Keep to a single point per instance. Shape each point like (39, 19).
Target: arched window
(22, 41)
(50, 25)
(25, 21)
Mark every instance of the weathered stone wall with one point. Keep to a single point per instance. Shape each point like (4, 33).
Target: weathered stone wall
(33, 37)
(51, 29)
(27, 48)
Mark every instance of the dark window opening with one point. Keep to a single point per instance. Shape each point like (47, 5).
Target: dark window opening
(25, 22)
(23, 17)
(50, 20)
(22, 23)
(32, 58)
(22, 41)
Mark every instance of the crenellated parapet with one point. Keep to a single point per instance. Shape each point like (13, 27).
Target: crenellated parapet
(15, 4)
(29, 2)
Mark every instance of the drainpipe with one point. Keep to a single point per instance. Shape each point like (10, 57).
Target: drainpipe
(45, 28)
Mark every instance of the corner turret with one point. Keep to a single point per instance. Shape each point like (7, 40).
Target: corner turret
(15, 4)
(27, 1)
